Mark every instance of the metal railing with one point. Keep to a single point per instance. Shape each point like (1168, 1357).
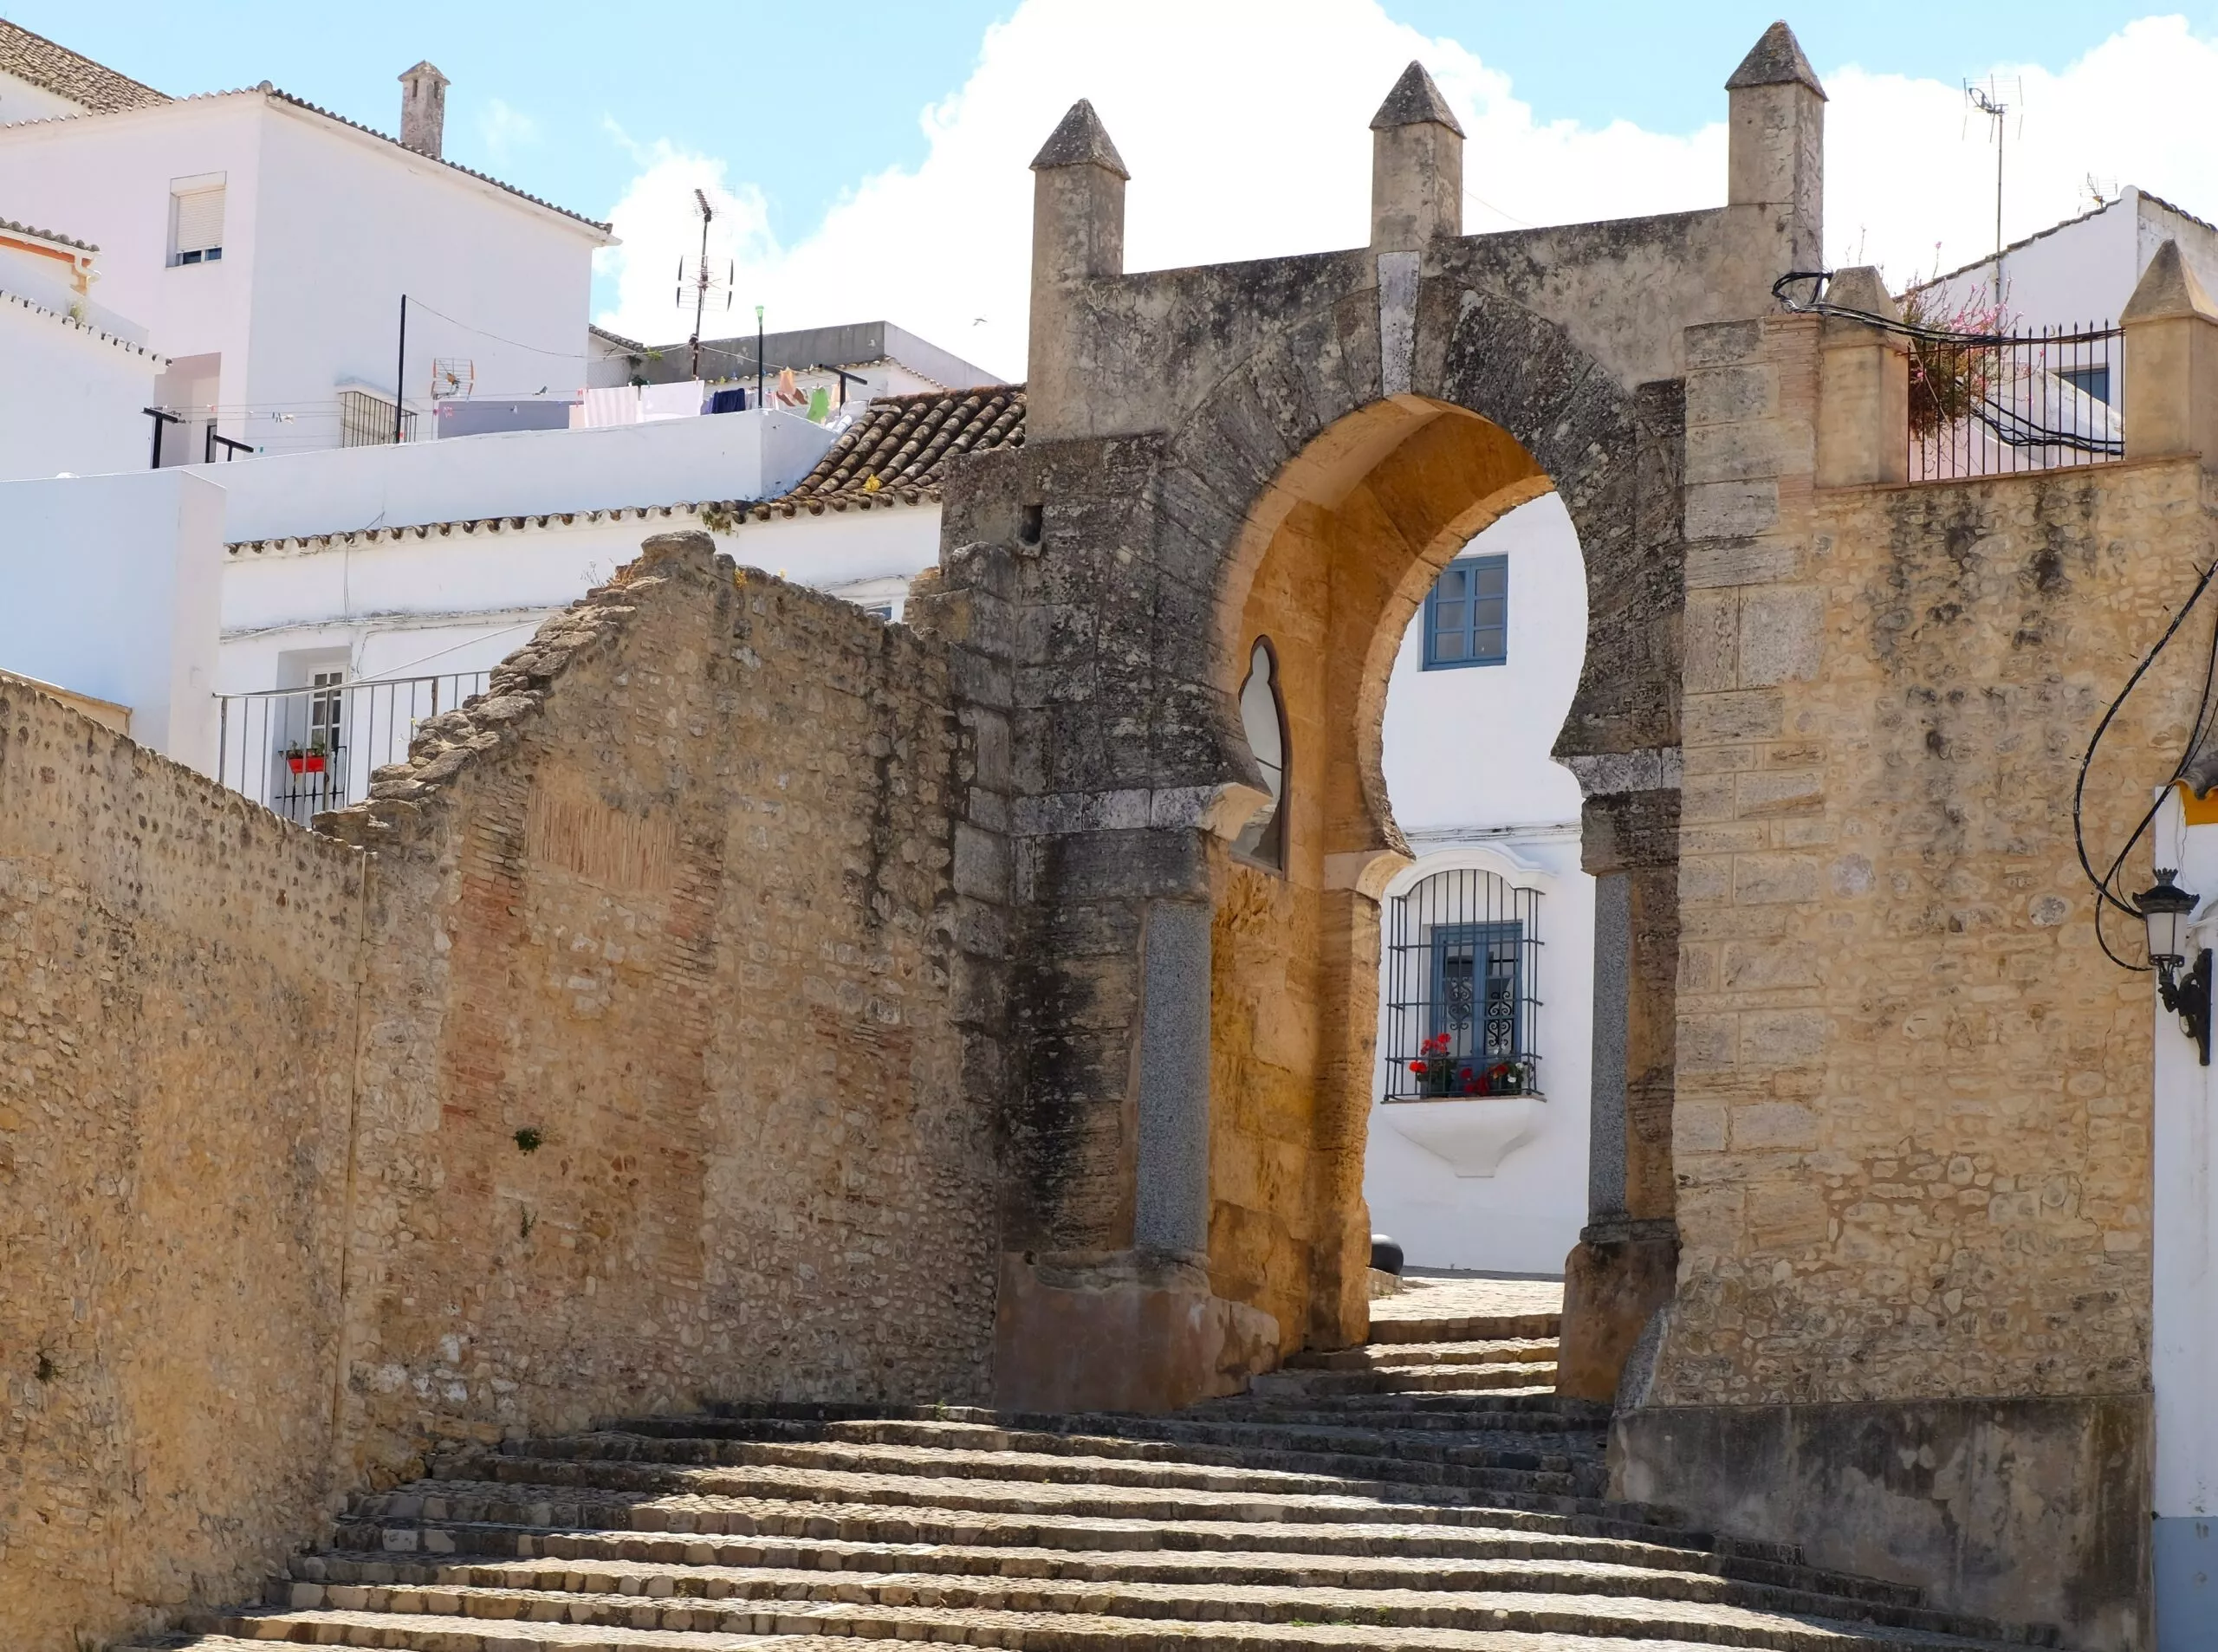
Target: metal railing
(1986, 406)
(302, 751)
(1462, 999)
(1997, 404)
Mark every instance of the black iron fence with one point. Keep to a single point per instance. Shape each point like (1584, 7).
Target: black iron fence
(1462, 1001)
(302, 751)
(1995, 404)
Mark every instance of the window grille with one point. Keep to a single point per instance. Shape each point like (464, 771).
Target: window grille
(1463, 1002)
(302, 751)
(197, 217)
(366, 421)
(1467, 614)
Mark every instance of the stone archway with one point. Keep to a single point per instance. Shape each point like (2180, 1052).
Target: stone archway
(1187, 431)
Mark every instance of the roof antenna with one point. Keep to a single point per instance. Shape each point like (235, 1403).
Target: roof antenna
(700, 281)
(1987, 100)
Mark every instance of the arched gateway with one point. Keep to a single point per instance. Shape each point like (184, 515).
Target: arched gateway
(1279, 456)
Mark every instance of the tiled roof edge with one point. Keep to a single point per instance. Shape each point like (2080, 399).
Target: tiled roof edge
(10, 226)
(67, 320)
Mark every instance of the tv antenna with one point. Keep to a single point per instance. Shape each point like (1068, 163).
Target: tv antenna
(702, 281)
(1987, 100)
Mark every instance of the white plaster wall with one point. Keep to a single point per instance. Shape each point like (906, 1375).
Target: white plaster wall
(21, 101)
(514, 473)
(69, 399)
(2183, 1351)
(126, 569)
(1471, 781)
(324, 227)
(460, 602)
(2084, 272)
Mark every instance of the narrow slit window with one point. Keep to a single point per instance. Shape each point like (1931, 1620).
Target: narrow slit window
(1262, 719)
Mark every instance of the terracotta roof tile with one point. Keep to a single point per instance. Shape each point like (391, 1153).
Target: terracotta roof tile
(68, 74)
(903, 444)
(9, 226)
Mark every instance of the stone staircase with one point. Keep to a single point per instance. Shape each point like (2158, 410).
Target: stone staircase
(1427, 1490)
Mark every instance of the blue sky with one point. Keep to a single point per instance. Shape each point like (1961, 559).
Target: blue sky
(790, 113)
(760, 84)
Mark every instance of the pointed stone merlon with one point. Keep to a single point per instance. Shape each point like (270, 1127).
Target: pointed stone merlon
(1863, 387)
(2171, 363)
(1078, 236)
(1776, 140)
(1417, 165)
(1078, 201)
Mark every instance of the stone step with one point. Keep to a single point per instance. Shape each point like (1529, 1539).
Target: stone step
(1398, 1356)
(1028, 1580)
(756, 1468)
(468, 1619)
(1483, 1327)
(1422, 1379)
(711, 1500)
(1543, 1431)
(1350, 1453)
(1539, 1403)
(1145, 1552)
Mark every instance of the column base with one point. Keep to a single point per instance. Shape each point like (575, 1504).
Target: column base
(1614, 1280)
(2031, 1510)
(1121, 1331)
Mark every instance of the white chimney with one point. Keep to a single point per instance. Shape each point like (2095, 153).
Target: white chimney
(422, 109)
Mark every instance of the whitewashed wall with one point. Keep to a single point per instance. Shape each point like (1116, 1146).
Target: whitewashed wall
(324, 227)
(69, 397)
(460, 602)
(1472, 783)
(126, 574)
(512, 473)
(2184, 1321)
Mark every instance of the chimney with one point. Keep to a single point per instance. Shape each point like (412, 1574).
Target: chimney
(422, 109)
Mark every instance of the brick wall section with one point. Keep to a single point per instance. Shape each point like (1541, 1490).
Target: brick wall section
(1911, 1133)
(177, 1036)
(687, 875)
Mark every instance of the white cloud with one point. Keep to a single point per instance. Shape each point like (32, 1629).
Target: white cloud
(504, 129)
(659, 222)
(1251, 139)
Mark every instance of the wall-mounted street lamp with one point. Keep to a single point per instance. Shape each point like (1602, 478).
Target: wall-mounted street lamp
(2165, 907)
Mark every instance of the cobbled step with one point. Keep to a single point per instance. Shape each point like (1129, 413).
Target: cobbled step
(1311, 1454)
(1124, 1585)
(1428, 1490)
(1376, 1557)
(1417, 1355)
(1043, 1616)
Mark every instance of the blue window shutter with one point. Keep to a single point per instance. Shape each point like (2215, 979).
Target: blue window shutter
(1467, 614)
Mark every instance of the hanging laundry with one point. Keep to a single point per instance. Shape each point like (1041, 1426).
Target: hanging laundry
(819, 404)
(788, 391)
(728, 401)
(681, 400)
(609, 406)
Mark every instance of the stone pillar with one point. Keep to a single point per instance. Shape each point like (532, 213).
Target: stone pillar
(1416, 166)
(1623, 1266)
(1863, 388)
(1078, 236)
(1776, 143)
(1171, 1198)
(2171, 362)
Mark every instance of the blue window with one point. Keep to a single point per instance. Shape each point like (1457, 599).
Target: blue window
(1478, 996)
(1467, 614)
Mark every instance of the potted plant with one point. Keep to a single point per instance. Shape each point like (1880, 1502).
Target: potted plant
(306, 760)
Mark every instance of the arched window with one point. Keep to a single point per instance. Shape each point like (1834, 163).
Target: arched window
(1464, 950)
(1262, 719)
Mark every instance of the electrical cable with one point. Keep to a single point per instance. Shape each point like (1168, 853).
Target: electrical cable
(2105, 894)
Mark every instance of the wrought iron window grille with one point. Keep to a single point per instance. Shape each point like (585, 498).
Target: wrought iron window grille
(1462, 1001)
(302, 751)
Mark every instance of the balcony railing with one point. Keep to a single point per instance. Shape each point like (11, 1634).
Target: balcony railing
(302, 751)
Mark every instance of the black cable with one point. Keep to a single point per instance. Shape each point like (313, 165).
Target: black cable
(2105, 895)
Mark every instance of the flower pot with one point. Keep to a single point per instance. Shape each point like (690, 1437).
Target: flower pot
(305, 762)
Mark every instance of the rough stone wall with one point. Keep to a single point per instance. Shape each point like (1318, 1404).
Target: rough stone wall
(1912, 1120)
(686, 879)
(176, 1039)
(693, 898)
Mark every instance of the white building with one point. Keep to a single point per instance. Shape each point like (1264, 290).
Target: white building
(2081, 273)
(1486, 943)
(75, 377)
(857, 361)
(266, 246)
